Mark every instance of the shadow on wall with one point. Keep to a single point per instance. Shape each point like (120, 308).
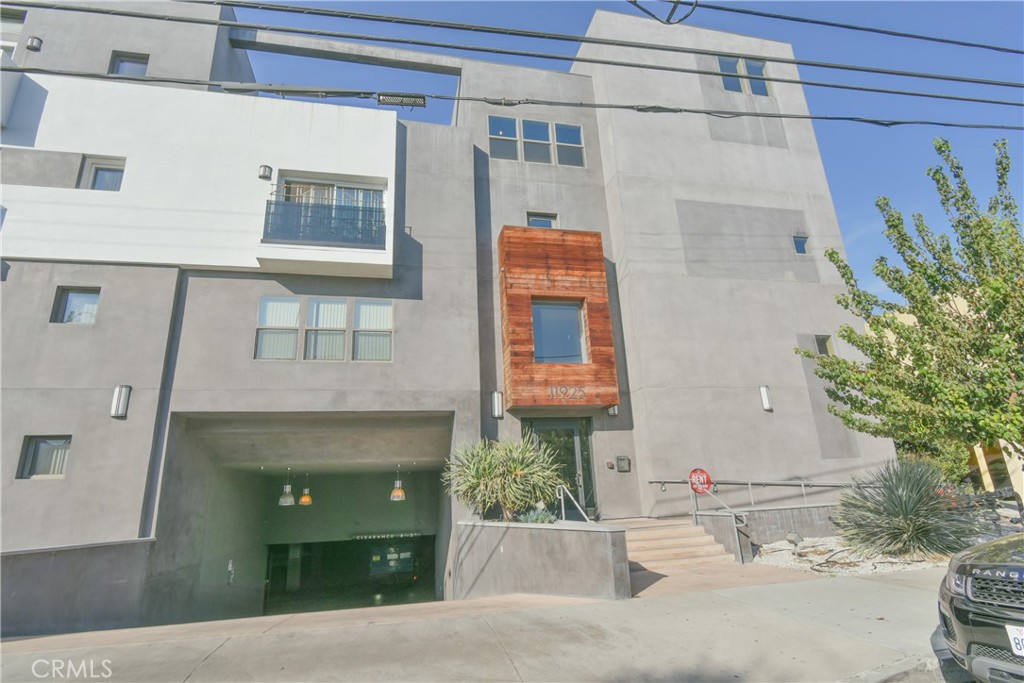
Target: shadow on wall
(489, 377)
(23, 125)
(624, 422)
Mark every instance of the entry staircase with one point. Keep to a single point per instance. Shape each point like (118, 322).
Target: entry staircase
(669, 545)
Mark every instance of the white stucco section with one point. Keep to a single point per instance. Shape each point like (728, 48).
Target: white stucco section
(190, 193)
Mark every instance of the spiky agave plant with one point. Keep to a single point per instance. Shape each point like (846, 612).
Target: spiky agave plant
(899, 509)
(512, 474)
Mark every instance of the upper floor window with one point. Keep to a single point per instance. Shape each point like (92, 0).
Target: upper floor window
(326, 329)
(127, 64)
(569, 141)
(76, 305)
(44, 457)
(504, 137)
(541, 220)
(337, 213)
(559, 332)
(537, 141)
(800, 244)
(372, 333)
(277, 334)
(737, 71)
(823, 345)
(102, 173)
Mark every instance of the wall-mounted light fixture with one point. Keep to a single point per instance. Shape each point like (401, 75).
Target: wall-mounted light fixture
(613, 411)
(287, 498)
(305, 498)
(119, 404)
(766, 398)
(34, 44)
(266, 172)
(497, 405)
(398, 493)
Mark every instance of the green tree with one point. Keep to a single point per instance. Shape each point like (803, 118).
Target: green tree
(943, 369)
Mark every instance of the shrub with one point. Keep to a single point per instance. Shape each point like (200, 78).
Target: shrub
(512, 474)
(903, 513)
(537, 516)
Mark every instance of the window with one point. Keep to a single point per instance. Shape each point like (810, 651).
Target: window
(735, 71)
(75, 305)
(44, 457)
(504, 138)
(126, 64)
(541, 220)
(102, 173)
(823, 345)
(558, 335)
(537, 141)
(569, 141)
(800, 244)
(11, 22)
(325, 329)
(371, 336)
(277, 335)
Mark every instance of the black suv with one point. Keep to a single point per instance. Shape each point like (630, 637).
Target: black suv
(981, 609)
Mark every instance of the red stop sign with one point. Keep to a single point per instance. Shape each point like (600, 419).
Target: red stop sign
(700, 480)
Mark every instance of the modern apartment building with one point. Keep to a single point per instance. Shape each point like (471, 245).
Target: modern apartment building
(214, 301)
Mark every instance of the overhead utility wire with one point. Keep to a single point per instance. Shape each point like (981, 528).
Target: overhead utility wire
(519, 53)
(324, 93)
(523, 33)
(836, 24)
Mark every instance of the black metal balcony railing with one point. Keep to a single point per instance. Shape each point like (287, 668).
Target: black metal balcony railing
(335, 225)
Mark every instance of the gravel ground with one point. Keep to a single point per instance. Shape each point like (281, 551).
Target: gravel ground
(829, 555)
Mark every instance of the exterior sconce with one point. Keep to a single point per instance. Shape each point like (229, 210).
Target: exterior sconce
(766, 398)
(34, 44)
(266, 172)
(119, 404)
(497, 405)
(613, 411)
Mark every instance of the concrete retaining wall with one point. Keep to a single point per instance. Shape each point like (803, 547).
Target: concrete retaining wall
(565, 558)
(767, 526)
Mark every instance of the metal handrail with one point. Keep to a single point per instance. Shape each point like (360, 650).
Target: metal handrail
(561, 491)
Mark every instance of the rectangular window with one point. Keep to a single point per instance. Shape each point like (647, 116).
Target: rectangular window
(735, 71)
(558, 332)
(823, 345)
(325, 329)
(755, 67)
(102, 173)
(277, 335)
(504, 137)
(569, 142)
(44, 457)
(537, 141)
(371, 336)
(541, 220)
(730, 66)
(800, 244)
(126, 64)
(76, 305)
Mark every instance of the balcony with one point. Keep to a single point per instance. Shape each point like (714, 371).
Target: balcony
(324, 225)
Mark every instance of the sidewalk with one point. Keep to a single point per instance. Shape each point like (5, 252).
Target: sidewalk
(723, 624)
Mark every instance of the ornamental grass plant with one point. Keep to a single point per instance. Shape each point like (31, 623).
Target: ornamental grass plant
(902, 510)
(511, 474)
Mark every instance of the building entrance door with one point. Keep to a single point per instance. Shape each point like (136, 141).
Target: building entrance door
(570, 441)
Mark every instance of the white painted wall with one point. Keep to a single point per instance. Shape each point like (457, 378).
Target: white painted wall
(190, 195)
(9, 81)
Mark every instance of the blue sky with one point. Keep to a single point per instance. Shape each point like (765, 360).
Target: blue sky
(862, 162)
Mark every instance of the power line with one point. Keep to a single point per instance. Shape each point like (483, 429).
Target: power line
(520, 53)
(330, 93)
(835, 24)
(565, 38)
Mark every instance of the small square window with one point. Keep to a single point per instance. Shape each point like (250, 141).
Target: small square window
(74, 305)
(44, 457)
(125, 64)
(277, 335)
(541, 220)
(325, 329)
(558, 332)
(504, 137)
(102, 173)
(371, 337)
(730, 66)
(800, 244)
(823, 345)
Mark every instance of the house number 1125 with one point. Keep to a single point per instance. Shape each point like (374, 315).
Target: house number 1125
(567, 392)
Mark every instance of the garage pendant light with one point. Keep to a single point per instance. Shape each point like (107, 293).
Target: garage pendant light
(398, 493)
(287, 498)
(305, 498)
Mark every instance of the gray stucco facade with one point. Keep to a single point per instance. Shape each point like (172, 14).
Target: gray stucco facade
(708, 300)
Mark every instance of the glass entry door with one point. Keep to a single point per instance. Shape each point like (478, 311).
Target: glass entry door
(570, 441)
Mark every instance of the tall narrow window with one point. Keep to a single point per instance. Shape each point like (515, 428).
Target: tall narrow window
(823, 344)
(44, 457)
(569, 141)
(371, 338)
(76, 305)
(558, 332)
(125, 64)
(730, 68)
(504, 137)
(800, 244)
(325, 329)
(278, 332)
(755, 67)
(537, 141)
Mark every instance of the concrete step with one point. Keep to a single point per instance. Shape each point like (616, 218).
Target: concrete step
(674, 531)
(669, 542)
(668, 566)
(648, 522)
(677, 554)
